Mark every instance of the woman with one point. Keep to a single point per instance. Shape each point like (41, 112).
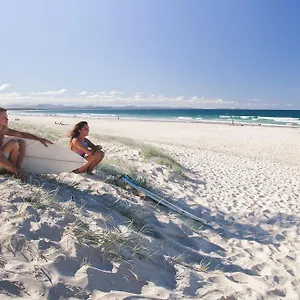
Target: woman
(85, 148)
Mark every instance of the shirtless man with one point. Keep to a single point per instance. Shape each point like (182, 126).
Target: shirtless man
(12, 153)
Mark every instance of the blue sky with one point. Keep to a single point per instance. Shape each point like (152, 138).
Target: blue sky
(196, 53)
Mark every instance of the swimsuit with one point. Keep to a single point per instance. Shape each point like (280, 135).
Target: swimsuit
(6, 156)
(84, 144)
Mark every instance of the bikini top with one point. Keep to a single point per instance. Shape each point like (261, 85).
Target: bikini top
(84, 144)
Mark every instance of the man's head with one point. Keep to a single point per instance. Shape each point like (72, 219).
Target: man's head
(3, 117)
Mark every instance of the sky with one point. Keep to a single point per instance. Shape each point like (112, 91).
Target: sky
(177, 53)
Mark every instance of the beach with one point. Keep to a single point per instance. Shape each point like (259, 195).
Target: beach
(74, 236)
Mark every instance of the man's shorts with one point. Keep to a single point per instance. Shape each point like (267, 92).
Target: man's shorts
(6, 156)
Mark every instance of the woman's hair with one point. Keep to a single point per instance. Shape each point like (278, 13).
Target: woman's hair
(75, 131)
(2, 109)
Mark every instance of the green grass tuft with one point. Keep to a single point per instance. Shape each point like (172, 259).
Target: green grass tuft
(112, 242)
(137, 222)
(147, 151)
(41, 131)
(160, 157)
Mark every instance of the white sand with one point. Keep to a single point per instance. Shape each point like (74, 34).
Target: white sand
(244, 181)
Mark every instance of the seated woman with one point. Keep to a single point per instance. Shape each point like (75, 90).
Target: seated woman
(85, 148)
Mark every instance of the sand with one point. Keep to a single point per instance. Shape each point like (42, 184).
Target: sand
(72, 236)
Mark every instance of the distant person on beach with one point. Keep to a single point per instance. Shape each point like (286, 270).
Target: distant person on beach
(12, 153)
(85, 148)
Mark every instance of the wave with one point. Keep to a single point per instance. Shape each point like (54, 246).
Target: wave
(263, 119)
(184, 118)
(237, 117)
(280, 120)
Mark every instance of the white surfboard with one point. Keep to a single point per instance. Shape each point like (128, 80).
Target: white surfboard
(159, 200)
(52, 159)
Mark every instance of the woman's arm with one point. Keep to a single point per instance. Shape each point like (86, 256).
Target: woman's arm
(93, 147)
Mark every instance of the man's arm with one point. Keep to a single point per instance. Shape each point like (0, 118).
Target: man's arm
(26, 135)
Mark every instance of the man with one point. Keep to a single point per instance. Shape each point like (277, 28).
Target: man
(12, 153)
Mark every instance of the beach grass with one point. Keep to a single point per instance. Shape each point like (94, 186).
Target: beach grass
(117, 167)
(150, 152)
(112, 242)
(42, 131)
(201, 266)
(147, 151)
(137, 223)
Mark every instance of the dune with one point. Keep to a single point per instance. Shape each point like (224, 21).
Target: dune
(74, 236)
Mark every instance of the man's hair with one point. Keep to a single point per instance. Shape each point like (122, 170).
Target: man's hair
(2, 109)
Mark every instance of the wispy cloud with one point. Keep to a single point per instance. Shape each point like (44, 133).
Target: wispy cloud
(49, 93)
(116, 98)
(101, 95)
(83, 93)
(254, 100)
(10, 95)
(8, 99)
(25, 99)
(4, 86)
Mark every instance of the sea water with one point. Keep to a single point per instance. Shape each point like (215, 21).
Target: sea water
(236, 116)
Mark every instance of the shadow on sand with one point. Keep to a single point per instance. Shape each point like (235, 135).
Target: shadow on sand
(171, 243)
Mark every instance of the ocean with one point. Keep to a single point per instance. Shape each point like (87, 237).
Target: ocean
(239, 116)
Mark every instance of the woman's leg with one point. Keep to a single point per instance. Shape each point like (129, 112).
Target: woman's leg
(95, 162)
(90, 162)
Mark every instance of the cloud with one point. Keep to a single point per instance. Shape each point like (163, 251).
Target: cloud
(203, 101)
(12, 98)
(95, 96)
(101, 95)
(270, 104)
(4, 86)
(115, 93)
(116, 98)
(10, 95)
(83, 93)
(49, 93)
(254, 100)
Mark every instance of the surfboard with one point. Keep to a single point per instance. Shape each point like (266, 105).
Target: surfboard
(160, 200)
(52, 159)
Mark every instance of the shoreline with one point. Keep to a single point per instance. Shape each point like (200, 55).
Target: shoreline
(159, 120)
